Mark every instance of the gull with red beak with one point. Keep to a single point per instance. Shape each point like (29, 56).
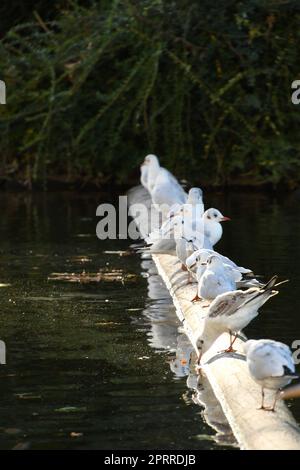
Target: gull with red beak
(213, 230)
(203, 231)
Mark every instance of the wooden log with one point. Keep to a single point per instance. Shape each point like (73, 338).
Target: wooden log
(228, 374)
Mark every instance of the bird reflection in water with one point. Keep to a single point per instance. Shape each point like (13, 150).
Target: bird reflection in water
(163, 336)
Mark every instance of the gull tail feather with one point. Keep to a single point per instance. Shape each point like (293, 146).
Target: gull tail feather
(266, 290)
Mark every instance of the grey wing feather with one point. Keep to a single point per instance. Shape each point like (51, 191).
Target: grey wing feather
(226, 304)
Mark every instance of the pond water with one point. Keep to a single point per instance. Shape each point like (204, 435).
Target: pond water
(91, 364)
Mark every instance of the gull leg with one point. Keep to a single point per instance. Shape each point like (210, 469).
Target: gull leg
(190, 278)
(268, 408)
(275, 400)
(196, 298)
(200, 352)
(230, 348)
(262, 406)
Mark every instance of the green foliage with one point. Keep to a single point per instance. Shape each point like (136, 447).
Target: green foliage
(204, 85)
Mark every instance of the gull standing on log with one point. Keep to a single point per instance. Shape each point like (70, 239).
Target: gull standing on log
(213, 230)
(270, 365)
(233, 311)
(164, 188)
(199, 258)
(192, 208)
(204, 232)
(197, 262)
(217, 279)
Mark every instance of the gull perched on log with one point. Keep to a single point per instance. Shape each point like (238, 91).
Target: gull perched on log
(197, 264)
(199, 258)
(150, 170)
(217, 279)
(270, 365)
(213, 230)
(232, 311)
(205, 231)
(191, 209)
(164, 188)
(167, 192)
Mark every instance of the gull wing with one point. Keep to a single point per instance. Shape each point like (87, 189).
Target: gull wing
(273, 358)
(228, 303)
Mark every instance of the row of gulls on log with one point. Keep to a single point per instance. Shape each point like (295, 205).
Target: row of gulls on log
(231, 295)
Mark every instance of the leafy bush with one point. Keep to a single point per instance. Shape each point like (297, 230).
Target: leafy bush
(204, 85)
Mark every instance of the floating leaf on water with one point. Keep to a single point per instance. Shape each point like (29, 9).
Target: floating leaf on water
(28, 396)
(76, 434)
(80, 259)
(22, 446)
(70, 409)
(12, 431)
(101, 276)
(107, 323)
(119, 252)
(75, 277)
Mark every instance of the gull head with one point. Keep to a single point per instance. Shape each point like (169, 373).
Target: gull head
(198, 257)
(203, 257)
(214, 215)
(214, 261)
(178, 227)
(151, 160)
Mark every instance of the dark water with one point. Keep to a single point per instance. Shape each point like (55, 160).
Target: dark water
(91, 358)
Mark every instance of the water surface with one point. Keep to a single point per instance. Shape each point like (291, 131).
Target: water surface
(88, 363)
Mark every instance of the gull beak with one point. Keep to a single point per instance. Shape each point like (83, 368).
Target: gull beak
(203, 264)
(225, 219)
(192, 265)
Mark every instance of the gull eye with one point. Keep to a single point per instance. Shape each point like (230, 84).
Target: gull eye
(215, 215)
